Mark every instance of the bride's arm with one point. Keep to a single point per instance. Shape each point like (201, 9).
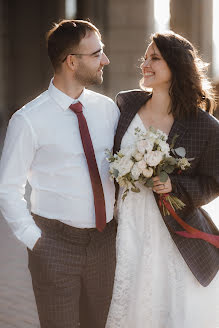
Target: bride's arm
(202, 186)
(195, 190)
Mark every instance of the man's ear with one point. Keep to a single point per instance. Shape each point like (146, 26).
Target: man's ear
(70, 62)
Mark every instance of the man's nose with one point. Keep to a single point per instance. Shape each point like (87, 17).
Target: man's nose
(104, 59)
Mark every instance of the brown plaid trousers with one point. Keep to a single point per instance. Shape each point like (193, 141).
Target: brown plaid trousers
(195, 187)
(72, 274)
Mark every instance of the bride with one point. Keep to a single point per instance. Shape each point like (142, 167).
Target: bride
(163, 280)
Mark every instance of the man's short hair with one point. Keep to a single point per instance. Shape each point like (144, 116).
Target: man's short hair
(64, 38)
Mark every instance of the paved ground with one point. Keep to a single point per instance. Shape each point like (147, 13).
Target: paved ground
(17, 304)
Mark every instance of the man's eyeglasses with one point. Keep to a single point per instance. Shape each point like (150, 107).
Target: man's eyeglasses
(96, 54)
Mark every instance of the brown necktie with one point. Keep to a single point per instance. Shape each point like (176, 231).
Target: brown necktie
(99, 202)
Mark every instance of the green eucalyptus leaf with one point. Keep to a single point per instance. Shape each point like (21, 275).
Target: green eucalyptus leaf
(171, 161)
(115, 173)
(174, 140)
(163, 176)
(180, 151)
(149, 183)
(169, 169)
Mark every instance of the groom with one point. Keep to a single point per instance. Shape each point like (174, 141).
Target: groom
(58, 142)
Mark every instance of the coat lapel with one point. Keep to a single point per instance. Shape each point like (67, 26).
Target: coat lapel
(179, 128)
(130, 105)
(132, 102)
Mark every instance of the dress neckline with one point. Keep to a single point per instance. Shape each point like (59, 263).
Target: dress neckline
(146, 128)
(138, 116)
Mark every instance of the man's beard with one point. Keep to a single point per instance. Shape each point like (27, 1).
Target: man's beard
(86, 78)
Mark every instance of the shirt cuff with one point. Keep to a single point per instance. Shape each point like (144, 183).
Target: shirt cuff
(30, 236)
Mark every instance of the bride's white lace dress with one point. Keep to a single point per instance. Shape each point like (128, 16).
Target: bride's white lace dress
(153, 286)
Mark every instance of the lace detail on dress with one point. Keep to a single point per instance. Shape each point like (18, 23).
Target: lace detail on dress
(153, 286)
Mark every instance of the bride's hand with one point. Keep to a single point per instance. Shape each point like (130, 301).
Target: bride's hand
(162, 187)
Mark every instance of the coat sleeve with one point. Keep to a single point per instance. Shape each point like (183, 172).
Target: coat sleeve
(203, 186)
(19, 149)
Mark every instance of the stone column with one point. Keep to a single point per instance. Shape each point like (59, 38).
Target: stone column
(193, 19)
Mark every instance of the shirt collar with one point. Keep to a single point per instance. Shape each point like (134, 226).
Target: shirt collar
(63, 100)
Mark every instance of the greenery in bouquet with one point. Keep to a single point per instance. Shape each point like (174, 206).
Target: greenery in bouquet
(149, 156)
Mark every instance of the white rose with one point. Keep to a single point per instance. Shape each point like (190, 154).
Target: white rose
(141, 144)
(125, 165)
(149, 144)
(153, 158)
(141, 164)
(128, 151)
(164, 146)
(145, 145)
(138, 156)
(136, 171)
(148, 172)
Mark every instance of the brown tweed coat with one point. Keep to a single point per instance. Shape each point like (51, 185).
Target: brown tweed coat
(195, 187)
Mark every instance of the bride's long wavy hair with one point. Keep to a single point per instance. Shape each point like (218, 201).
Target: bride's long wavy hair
(190, 87)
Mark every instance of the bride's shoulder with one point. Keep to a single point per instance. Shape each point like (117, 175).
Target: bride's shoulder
(127, 96)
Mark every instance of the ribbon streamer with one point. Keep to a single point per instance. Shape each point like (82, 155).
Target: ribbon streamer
(190, 231)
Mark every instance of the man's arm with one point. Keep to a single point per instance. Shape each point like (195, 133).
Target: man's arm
(17, 156)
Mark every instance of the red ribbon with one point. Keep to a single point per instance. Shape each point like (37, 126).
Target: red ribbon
(190, 231)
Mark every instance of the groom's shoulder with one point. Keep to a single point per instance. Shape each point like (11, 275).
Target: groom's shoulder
(98, 96)
(127, 96)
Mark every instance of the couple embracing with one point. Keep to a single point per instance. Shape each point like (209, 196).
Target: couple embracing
(89, 269)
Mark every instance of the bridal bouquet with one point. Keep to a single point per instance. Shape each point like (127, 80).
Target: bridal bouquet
(152, 156)
(148, 157)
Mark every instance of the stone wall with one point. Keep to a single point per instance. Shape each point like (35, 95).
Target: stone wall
(23, 56)
(3, 62)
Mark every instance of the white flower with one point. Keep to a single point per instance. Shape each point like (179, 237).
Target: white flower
(164, 146)
(141, 146)
(128, 151)
(138, 156)
(141, 164)
(162, 135)
(124, 165)
(148, 172)
(153, 158)
(183, 163)
(136, 171)
(149, 144)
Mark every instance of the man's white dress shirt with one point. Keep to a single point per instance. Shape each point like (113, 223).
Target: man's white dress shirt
(43, 145)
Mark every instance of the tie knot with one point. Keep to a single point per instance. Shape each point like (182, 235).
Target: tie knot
(77, 107)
